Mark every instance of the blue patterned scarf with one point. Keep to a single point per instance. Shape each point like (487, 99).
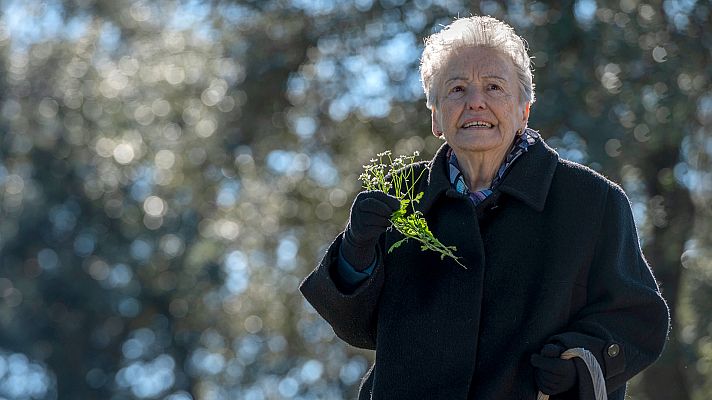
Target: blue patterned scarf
(519, 147)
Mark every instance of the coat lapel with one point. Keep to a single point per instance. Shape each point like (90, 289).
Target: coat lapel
(530, 177)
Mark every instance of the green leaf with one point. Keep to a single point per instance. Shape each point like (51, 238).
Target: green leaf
(396, 245)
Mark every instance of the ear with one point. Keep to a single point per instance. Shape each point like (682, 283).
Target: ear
(525, 113)
(435, 128)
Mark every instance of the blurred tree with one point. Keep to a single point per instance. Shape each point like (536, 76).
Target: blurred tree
(170, 170)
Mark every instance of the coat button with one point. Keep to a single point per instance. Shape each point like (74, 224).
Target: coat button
(613, 350)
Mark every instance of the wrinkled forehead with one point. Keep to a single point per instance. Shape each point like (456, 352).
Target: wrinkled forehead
(477, 63)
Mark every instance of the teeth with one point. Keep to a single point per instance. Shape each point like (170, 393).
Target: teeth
(478, 124)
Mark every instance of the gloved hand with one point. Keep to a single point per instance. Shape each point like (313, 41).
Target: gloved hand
(553, 375)
(370, 215)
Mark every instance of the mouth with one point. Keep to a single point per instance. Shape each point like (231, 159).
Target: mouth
(476, 124)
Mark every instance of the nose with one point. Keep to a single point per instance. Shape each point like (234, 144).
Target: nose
(475, 99)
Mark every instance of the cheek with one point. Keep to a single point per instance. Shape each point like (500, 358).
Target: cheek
(454, 106)
(508, 110)
(446, 113)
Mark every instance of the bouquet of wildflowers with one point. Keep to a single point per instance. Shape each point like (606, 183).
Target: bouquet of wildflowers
(391, 176)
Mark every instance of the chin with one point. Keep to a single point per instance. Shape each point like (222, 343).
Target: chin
(477, 144)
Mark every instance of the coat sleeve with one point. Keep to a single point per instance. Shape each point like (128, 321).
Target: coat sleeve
(625, 320)
(352, 315)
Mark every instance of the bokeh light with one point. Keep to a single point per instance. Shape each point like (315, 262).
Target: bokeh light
(171, 170)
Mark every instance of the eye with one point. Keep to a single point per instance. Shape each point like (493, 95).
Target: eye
(456, 92)
(493, 86)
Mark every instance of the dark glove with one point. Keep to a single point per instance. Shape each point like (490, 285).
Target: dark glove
(370, 215)
(553, 375)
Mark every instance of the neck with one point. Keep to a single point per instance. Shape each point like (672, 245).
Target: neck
(480, 168)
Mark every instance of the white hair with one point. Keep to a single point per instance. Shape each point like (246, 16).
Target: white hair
(476, 31)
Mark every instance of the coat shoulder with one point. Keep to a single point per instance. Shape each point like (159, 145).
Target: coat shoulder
(419, 170)
(420, 166)
(576, 176)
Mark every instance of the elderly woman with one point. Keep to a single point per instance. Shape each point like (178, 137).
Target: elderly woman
(550, 248)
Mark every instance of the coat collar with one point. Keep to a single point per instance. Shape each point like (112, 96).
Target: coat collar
(528, 179)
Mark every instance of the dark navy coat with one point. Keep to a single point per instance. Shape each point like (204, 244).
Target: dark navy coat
(552, 256)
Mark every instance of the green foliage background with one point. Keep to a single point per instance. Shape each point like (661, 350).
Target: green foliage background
(170, 170)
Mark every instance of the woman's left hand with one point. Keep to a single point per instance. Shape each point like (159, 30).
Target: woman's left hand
(553, 374)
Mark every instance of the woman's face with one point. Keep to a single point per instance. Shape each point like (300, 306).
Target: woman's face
(478, 105)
